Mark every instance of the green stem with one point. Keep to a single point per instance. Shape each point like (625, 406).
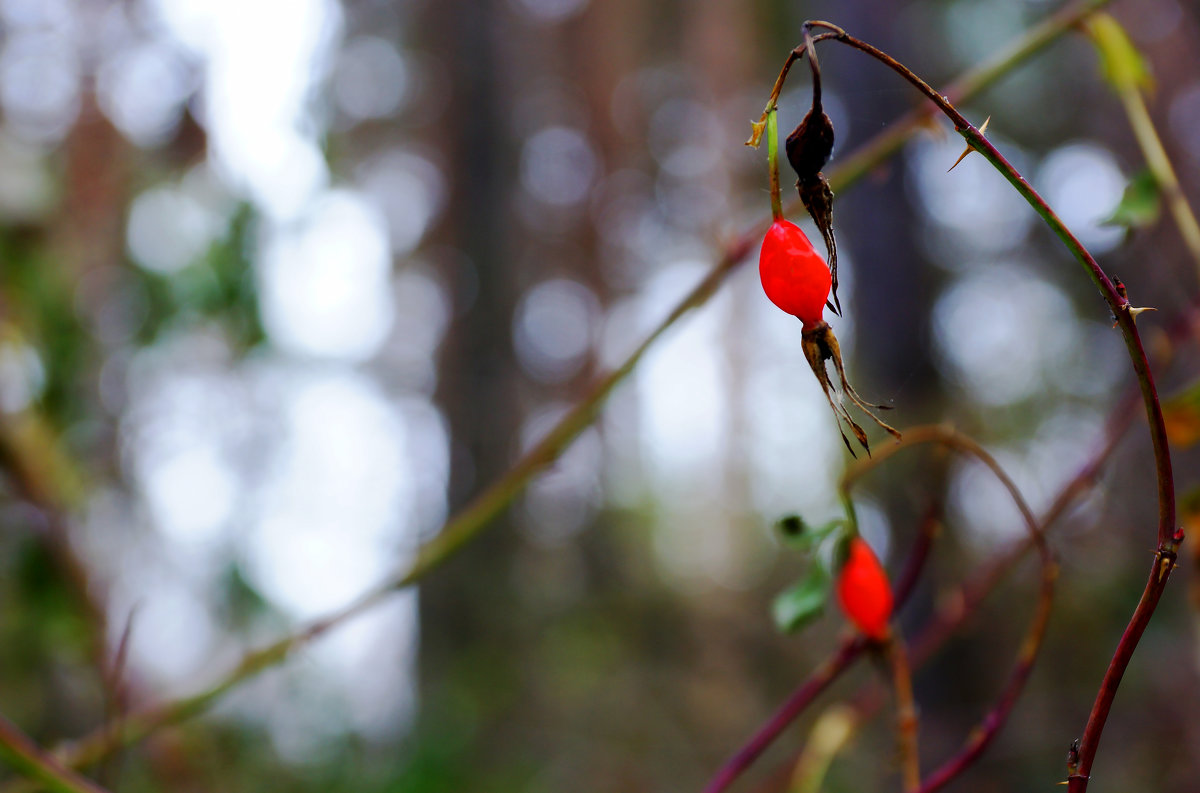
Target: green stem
(1160, 166)
(773, 162)
(478, 514)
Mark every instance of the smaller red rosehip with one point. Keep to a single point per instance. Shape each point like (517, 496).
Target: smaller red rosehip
(863, 590)
(794, 275)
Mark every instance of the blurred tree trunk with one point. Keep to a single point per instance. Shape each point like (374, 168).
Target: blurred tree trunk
(468, 642)
(893, 298)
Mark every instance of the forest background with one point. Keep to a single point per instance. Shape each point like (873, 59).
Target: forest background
(284, 285)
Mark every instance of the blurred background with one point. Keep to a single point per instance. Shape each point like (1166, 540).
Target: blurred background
(284, 282)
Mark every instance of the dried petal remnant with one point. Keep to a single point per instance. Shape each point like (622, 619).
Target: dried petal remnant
(821, 346)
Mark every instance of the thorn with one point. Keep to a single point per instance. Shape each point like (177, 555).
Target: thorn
(1133, 312)
(970, 148)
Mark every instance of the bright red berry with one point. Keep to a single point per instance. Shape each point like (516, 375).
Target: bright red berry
(863, 590)
(793, 274)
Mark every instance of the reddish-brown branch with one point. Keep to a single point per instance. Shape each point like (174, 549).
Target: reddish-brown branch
(1164, 563)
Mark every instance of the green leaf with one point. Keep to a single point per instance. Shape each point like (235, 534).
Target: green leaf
(800, 536)
(1140, 204)
(801, 604)
(1123, 66)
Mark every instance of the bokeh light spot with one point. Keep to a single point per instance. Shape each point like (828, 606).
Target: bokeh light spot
(1083, 184)
(553, 329)
(325, 289)
(558, 165)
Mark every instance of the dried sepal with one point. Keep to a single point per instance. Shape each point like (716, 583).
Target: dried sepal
(756, 131)
(821, 346)
(817, 197)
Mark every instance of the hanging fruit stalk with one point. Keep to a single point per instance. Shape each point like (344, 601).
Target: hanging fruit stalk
(808, 150)
(796, 280)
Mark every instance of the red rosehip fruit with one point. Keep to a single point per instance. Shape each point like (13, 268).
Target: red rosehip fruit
(793, 274)
(863, 590)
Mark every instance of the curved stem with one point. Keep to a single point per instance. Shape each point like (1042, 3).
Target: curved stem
(1164, 563)
(777, 88)
(982, 735)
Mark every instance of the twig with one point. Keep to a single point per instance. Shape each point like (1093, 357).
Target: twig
(475, 516)
(1156, 158)
(906, 713)
(888, 142)
(1164, 563)
(982, 735)
(793, 706)
(35, 468)
(930, 528)
(28, 759)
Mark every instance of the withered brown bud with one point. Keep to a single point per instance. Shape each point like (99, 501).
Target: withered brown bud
(810, 144)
